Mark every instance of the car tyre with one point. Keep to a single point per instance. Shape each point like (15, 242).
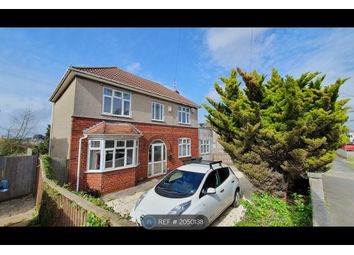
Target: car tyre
(237, 199)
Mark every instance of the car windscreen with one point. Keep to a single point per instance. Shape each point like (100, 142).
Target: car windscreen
(179, 184)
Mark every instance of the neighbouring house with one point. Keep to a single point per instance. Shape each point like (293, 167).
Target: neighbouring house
(209, 147)
(205, 134)
(112, 129)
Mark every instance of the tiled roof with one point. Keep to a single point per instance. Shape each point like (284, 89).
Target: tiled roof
(106, 128)
(118, 75)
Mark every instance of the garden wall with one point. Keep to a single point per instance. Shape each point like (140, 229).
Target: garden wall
(60, 207)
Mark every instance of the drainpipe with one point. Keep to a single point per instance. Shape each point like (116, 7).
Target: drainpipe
(78, 163)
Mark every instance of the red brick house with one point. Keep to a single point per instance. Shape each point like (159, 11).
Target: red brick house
(112, 129)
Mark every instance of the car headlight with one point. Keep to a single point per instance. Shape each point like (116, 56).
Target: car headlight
(139, 200)
(179, 209)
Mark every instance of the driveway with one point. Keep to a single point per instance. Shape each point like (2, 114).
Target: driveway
(123, 201)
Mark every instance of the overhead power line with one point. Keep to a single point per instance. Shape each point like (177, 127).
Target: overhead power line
(177, 60)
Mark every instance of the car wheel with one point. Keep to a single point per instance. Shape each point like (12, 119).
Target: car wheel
(237, 199)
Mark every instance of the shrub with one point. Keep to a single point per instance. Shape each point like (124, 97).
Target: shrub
(278, 130)
(267, 210)
(47, 164)
(94, 221)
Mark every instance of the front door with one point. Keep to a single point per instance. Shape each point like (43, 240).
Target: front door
(157, 159)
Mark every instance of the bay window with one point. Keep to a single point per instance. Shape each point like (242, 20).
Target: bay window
(183, 115)
(117, 154)
(184, 147)
(116, 102)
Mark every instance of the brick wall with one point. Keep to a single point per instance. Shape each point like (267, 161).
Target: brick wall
(122, 179)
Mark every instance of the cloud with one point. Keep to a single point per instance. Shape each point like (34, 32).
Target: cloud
(134, 67)
(229, 47)
(290, 50)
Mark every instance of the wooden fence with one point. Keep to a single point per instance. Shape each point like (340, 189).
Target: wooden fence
(59, 207)
(20, 171)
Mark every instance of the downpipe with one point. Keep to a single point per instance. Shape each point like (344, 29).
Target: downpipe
(78, 163)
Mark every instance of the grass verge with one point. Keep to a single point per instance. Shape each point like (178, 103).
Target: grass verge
(266, 210)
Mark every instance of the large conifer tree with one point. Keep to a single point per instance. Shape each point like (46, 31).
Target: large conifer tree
(278, 130)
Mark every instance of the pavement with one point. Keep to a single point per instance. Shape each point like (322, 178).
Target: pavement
(123, 201)
(338, 188)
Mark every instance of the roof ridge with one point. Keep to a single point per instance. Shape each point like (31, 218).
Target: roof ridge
(141, 77)
(94, 67)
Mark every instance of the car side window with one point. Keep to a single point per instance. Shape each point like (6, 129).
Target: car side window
(223, 174)
(212, 181)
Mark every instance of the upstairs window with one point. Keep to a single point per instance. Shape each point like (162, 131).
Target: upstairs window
(157, 111)
(204, 146)
(183, 115)
(116, 102)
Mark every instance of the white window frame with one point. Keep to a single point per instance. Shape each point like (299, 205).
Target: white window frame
(188, 143)
(121, 98)
(103, 150)
(184, 111)
(153, 112)
(89, 149)
(204, 146)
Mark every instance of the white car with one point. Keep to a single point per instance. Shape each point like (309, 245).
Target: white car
(202, 188)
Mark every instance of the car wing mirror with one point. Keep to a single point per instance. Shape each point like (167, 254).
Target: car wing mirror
(211, 191)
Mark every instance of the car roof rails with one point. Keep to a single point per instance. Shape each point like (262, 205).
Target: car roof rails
(215, 162)
(199, 160)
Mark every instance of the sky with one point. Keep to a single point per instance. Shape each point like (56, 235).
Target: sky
(33, 60)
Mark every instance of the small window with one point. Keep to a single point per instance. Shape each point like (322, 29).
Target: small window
(223, 174)
(157, 111)
(204, 146)
(183, 115)
(4, 185)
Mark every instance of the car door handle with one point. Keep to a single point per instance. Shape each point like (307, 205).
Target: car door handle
(221, 191)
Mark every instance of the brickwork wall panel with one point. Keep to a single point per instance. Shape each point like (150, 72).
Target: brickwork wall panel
(121, 179)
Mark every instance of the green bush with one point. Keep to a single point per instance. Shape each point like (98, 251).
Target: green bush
(47, 163)
(267, 210)
(94, 221)
(94, 200)
(12, 146)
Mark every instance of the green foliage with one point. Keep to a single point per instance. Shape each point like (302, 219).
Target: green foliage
(94, 200)
(35, 221)
(267, 210)
(47, 163)
(94, 221)
(278, 130)
(43, 147)
(12, 146)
